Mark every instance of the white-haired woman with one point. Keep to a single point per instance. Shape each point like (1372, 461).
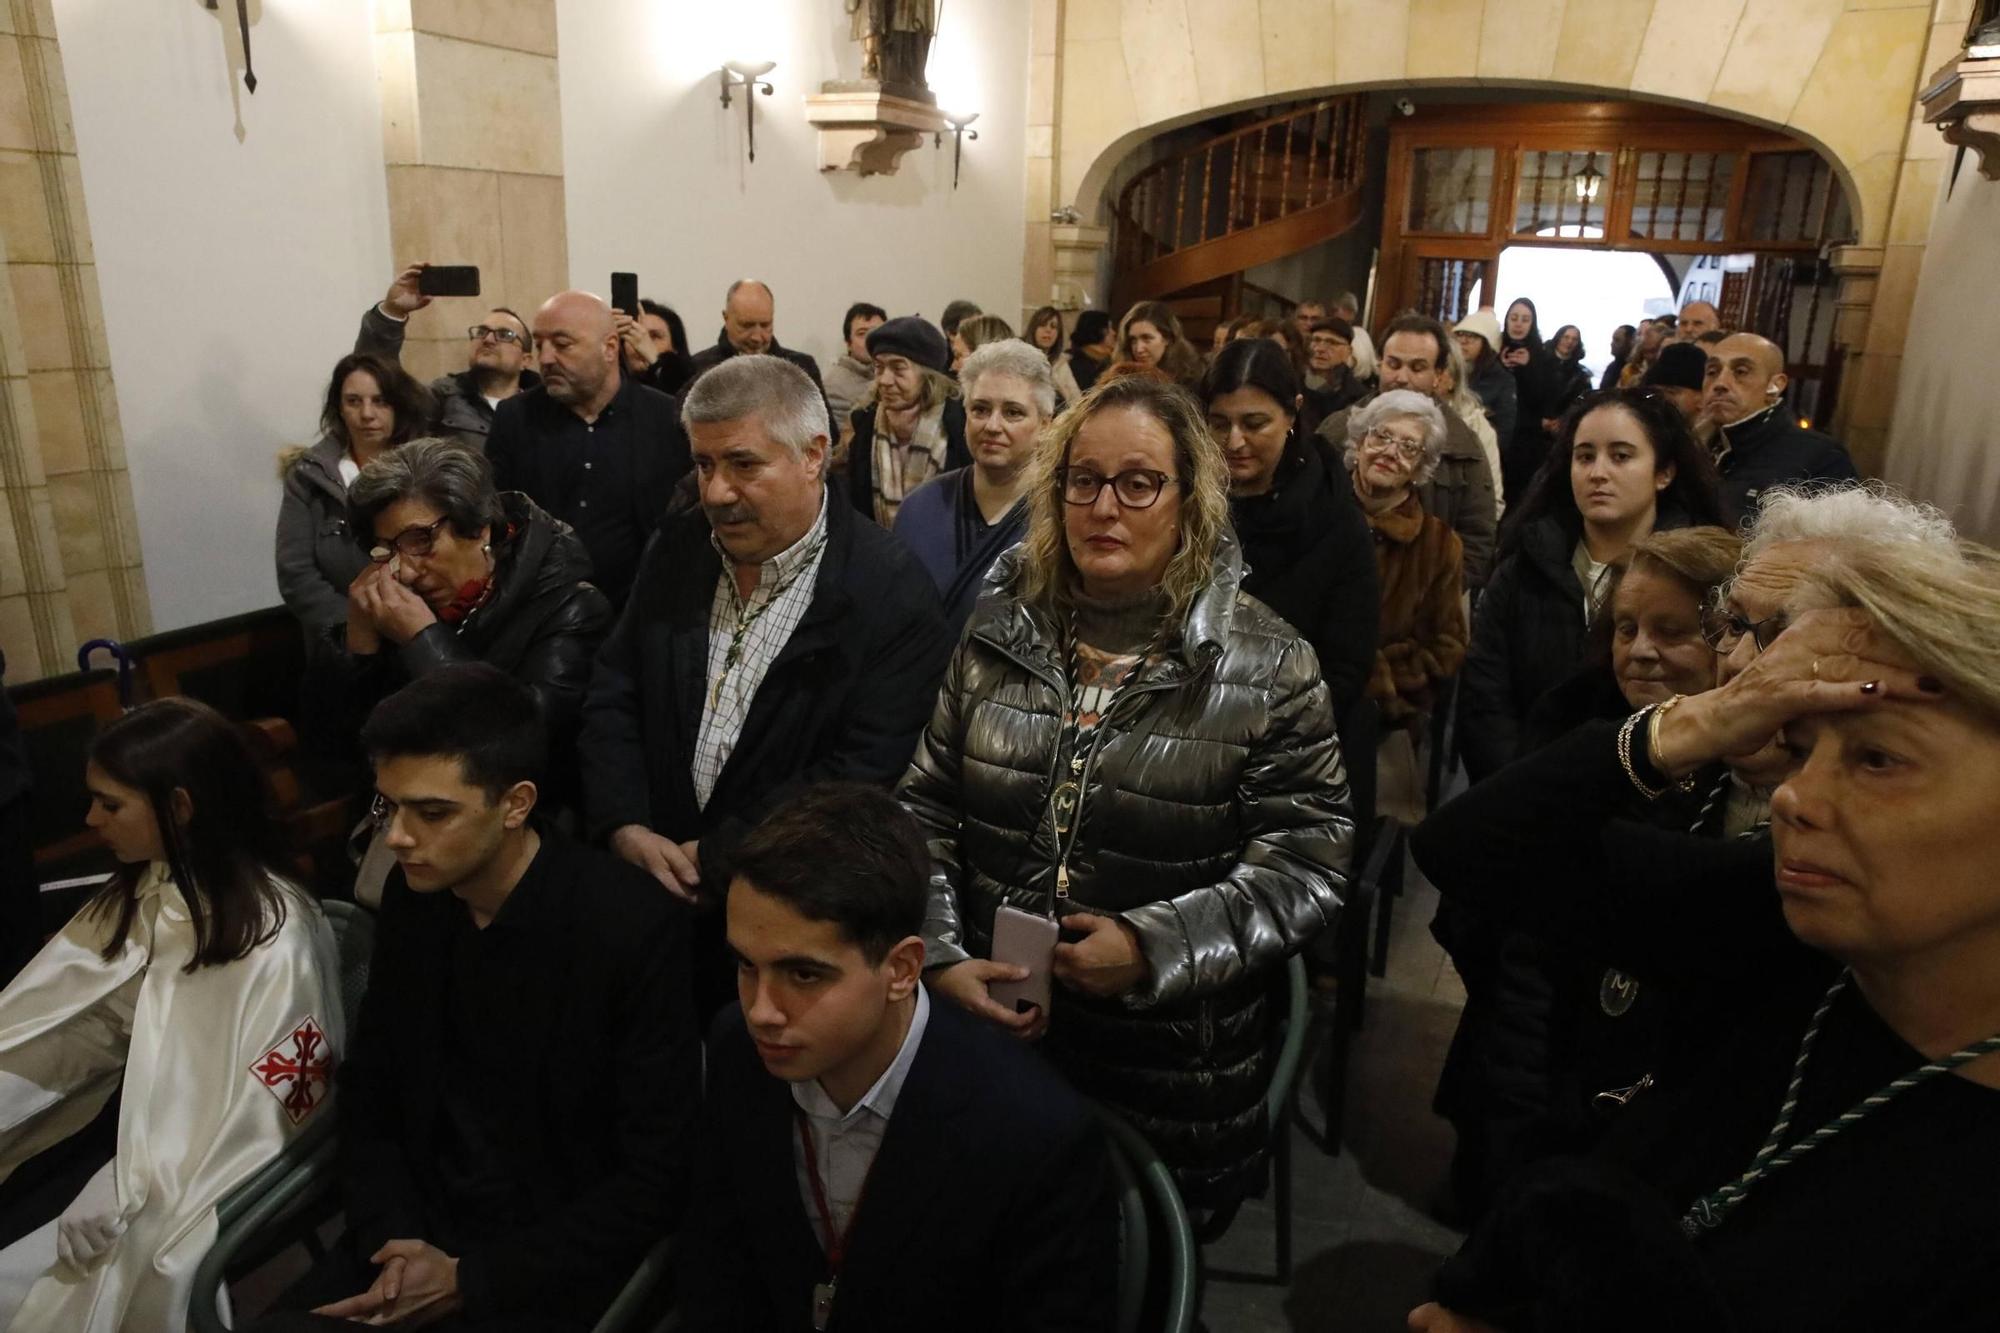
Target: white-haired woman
(1394, 442)
(1130, 747)
(959, 522)
(1833, 1159)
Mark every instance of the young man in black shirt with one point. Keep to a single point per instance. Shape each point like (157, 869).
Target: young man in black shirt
(515, 1104)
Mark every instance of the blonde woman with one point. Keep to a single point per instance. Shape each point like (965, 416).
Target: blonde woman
(1830, 1159)
(1128, 745)
(1464, 404)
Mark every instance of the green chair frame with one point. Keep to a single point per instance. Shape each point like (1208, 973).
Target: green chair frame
(1148, 1197)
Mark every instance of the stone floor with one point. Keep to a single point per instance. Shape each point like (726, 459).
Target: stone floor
(1363, 1244)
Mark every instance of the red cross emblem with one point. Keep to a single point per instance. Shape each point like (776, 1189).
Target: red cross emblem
(296, 1070)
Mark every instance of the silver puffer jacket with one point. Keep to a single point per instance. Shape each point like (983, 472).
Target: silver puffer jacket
(1224, 845)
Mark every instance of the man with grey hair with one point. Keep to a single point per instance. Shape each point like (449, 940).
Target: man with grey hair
(593, 447)
(773, 640)
(749, 328)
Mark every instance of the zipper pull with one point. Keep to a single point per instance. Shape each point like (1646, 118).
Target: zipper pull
(1062, 880)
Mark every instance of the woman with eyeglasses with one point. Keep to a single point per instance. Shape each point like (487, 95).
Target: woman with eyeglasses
(1394, 442)
(371, 406)
(171, 1040)
(457, 572)
(1132, 782)
(1826, 1155)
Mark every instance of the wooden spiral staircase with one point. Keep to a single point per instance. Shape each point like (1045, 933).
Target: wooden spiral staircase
(1246, 197)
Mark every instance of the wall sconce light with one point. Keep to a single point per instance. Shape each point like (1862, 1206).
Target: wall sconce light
(749, 76)
(960, 127)
(1588, 182)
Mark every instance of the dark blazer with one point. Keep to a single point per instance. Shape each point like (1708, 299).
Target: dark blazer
(989, 1205)
(845, 698)
(861, 453)
(608, 1083)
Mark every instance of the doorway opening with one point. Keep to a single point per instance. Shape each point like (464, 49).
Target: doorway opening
(1596, 290)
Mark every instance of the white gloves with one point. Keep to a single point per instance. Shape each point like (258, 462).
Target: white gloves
(92, 1223)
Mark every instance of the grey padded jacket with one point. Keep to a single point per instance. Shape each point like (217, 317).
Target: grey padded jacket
(1215, 823)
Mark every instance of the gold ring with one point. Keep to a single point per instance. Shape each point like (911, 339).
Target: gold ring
(1815, 668)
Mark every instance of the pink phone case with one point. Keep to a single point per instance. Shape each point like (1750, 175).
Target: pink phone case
(1025, 939)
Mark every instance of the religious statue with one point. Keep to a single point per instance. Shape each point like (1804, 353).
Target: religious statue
(895, 37)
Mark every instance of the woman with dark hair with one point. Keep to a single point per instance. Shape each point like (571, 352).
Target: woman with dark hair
(1150, 336)
(1625, 466)
(460, 573)
(1572, 380)
(199, 988)
(1130, 748)
(371, 405)
(1307, 549)
(1044, 333)
(1537, 393)
(672, 365)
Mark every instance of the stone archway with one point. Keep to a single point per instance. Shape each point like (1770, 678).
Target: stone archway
(1841, 78)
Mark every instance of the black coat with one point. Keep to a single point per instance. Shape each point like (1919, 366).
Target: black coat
(989, 1206)
(1889, 1225)
(1528, 633)
(845, 699)
(708, 358)
(1310, 557)
(1773, 449)
(608, 1081)
(861, 453)
(541, 626)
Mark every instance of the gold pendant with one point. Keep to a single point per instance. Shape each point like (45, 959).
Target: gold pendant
(1065, 801)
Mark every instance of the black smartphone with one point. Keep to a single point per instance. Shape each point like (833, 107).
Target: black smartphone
(449, 280)
(625, 293)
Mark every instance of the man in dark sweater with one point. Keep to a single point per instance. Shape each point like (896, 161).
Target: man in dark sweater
(749, 315)
(520, 1083)
(592, 447)
(870, 1159)
(1759, 443)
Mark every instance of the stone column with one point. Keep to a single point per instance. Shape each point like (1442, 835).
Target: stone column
(1043, 134)
(472, 142)
(1078, 262)
(69, 541)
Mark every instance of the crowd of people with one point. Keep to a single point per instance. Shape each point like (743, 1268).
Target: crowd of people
(780, 782)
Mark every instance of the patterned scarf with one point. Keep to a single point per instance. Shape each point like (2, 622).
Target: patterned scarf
(900, 468)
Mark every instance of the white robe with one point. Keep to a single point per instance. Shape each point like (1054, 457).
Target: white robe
(221, 1068)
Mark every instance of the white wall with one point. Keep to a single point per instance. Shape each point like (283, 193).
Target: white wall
(658, 184)
(1944, 445)
(235, 258)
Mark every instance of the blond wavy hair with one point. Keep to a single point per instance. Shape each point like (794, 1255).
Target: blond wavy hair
(1938, 603)
(1048, 572)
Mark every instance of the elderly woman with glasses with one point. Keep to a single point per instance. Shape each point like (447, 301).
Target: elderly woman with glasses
(1131, 783)
(1823, 1155)
(1394, 442)
(458, 572)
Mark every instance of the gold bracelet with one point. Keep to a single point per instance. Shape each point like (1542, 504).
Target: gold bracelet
(1653, 745)
(1625, 755)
